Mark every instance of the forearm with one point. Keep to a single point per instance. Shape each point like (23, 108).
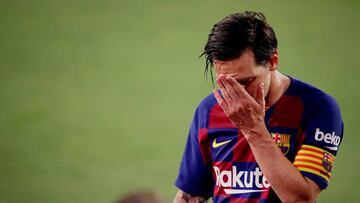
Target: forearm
(283, 176)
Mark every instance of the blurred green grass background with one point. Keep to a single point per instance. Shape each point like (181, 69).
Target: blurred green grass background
(97, 96)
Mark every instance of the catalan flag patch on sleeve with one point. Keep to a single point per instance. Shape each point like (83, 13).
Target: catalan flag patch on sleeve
(315, 160)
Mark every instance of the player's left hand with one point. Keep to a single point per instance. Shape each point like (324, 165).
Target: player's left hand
(245, 111)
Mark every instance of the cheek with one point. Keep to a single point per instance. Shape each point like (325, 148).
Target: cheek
(267, 85)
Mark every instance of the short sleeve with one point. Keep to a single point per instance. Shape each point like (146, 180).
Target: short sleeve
(323, 135)
(195, 173)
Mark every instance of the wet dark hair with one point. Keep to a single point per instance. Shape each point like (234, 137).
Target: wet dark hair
(236, 33)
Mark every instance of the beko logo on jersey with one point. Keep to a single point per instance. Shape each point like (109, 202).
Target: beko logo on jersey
(240, 182)
(328, 138)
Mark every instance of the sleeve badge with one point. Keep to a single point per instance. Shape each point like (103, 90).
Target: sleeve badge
(282, 141)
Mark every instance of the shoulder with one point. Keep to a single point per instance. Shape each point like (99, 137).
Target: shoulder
(203, 110)
(313, 98)
(206, 105)
(321, 117)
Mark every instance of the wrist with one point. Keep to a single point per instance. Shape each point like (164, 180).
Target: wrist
(256, 134)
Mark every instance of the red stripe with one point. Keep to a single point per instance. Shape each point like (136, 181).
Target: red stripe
(218, 119)
(309, 161)
(311, 149)
(204, 144)
(287, 112)
(266, 195)
(300, 137)
(308, 155)
(309, 167)
(242, 151)
(316, 169)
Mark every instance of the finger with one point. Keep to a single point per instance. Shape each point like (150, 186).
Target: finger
(220, 100)
(240, 90)
(230, 89)
(224, 91)
(260, 95)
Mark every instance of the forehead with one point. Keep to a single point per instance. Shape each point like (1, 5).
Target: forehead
(244, 66)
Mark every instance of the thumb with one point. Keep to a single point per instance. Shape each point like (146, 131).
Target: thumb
(260, 95)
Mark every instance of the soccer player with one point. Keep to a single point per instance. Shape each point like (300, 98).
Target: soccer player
(262, 136)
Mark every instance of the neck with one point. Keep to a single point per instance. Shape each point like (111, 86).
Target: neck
(278, 85)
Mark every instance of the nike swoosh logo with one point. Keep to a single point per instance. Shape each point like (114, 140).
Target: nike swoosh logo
(216, 145)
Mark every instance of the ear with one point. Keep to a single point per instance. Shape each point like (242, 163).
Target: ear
(274, 61)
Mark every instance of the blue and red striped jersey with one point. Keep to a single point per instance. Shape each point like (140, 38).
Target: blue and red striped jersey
(305, 123)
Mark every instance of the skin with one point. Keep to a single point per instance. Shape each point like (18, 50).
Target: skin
(248, 89)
